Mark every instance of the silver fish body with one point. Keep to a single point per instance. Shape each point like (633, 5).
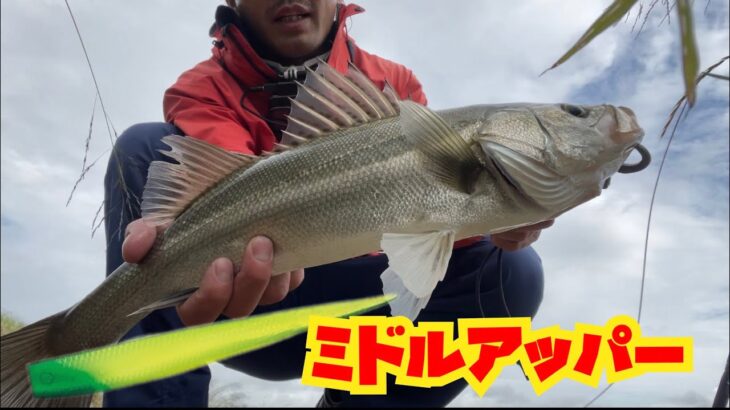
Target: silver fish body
(401, 178)
(323, 202)
(326, 201)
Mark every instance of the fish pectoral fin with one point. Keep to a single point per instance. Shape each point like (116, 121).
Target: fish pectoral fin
(170, 301)
(417, 263)
(451, 159)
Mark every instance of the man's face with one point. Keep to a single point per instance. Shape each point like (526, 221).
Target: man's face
(292, 29)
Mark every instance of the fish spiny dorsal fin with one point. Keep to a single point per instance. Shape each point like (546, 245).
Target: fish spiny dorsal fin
(310, 116)
(312, 97)
(346, 86)
(301, 129)
(328, 101)
(282, 147)
(171, 188)
(391, 95)
(377, 96)
(338, 97)
(293, 139)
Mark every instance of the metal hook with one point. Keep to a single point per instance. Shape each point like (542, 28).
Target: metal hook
(645, 160)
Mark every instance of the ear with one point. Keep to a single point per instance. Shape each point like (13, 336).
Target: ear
(231, 3)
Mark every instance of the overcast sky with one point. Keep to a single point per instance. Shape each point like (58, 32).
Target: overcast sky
(464, 52)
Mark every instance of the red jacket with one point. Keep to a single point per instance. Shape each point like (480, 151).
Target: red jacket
(205, 102)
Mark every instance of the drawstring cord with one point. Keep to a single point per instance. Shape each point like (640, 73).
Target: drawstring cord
(478, 284)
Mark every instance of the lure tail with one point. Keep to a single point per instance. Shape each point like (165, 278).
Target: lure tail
(17, 351)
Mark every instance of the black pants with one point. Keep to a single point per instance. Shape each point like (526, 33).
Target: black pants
(455, 297)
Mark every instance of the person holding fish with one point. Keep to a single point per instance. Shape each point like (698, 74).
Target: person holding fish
(295, 168)
(261, 47)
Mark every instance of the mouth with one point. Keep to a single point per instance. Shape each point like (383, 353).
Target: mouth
(291, 14)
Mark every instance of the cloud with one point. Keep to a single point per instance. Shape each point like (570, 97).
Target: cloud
(690, 399)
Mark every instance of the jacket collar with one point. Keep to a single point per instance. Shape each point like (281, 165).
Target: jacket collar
(236, 53)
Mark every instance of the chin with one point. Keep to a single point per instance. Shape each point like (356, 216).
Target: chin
(293, 50)
(295, 58)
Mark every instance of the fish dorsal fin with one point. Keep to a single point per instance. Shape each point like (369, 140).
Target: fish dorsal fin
(171, 188)
(377, 96)
(328, 101)
(391, 95)
(451, 158)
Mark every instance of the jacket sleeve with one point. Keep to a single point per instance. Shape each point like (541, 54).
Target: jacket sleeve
(198, 107)
(414, 90)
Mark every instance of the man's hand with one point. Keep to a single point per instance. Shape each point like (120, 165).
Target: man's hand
(222, 291)
(521, 237)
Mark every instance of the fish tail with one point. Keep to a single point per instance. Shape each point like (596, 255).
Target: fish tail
(19, 349)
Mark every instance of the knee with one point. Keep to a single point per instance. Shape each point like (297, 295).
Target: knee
(141, 138)
(524, 283)
(135, 148)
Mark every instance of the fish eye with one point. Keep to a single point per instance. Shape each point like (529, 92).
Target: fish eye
(575, 110)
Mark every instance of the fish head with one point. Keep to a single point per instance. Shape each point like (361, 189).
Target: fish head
(558, 155)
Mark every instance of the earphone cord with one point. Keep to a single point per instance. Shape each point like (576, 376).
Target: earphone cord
(478, 285)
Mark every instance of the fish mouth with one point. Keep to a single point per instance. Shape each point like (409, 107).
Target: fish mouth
(621, 125)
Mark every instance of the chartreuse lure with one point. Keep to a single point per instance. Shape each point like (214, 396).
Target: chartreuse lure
(155, 357)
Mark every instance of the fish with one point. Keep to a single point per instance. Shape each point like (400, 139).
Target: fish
(358, 170)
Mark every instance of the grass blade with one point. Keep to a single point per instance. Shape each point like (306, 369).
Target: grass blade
(690, 57)
(706, 73)
(610, 16)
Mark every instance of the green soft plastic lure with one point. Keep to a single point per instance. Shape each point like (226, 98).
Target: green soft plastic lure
(155, 357)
